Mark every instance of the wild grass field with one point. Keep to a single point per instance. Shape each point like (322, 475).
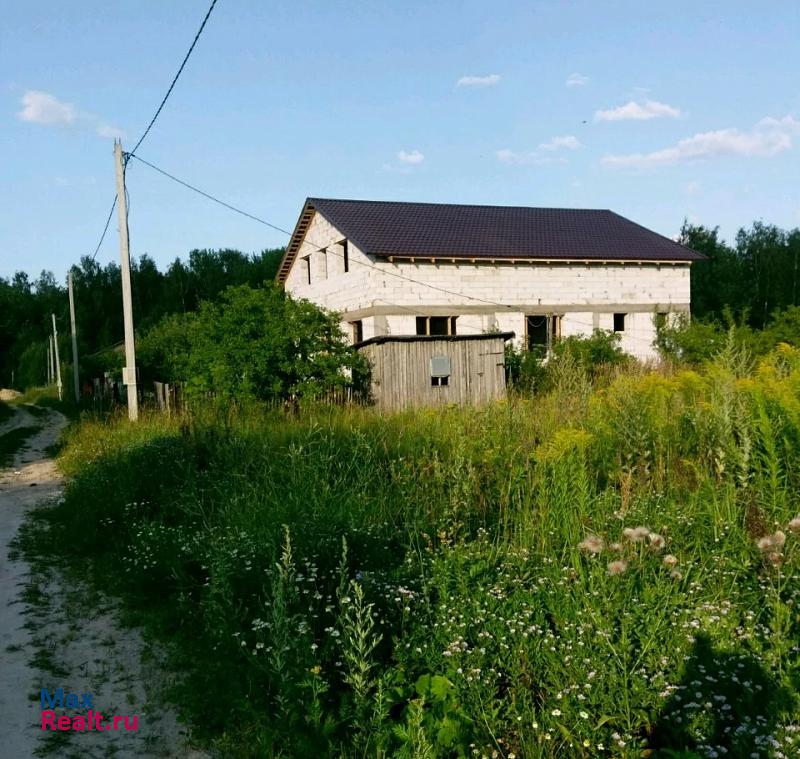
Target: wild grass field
(607, 570)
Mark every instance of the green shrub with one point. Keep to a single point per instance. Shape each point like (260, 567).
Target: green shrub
(251, 344)
(600, 349)
(539, 578)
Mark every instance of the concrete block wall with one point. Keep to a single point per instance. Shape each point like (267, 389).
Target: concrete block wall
(532, 284)
(586, 295)
(331, 287)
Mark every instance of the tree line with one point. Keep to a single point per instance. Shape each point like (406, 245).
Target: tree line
(752, 283)
(751, 280)
(26, 305)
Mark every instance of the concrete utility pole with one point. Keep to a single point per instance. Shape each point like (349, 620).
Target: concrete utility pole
(49, 360)
(75, 375)
(129, 372)
(55, 356)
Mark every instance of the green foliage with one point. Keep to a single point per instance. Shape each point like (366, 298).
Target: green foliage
(573, 362)
(600, 349)
(164, 352)
(26, 306)
(783, 327)
(691, 341)
(695, 341)
(524, 369)
(252, 344)
(540, 578)
(757, 276)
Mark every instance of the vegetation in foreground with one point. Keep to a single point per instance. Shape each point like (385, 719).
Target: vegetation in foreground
(594, 572)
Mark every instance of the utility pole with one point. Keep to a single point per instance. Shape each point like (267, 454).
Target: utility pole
(129, 372)
(55, 356)
(74, 339)
(49, 360)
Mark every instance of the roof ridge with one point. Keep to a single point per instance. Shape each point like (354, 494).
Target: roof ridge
(458, 205)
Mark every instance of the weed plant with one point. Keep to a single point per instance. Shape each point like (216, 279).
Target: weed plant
(605, 571)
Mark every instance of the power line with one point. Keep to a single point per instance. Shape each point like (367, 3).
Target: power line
(210, 197)
(153, 121)
(107, 348)
(305, 242)
(105, 228)
(315, 248)
(175, 79)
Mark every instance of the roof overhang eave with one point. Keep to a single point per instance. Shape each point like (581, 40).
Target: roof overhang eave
(444, 258)
(295, 241)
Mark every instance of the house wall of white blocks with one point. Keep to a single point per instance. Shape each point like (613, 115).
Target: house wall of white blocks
(386, 297)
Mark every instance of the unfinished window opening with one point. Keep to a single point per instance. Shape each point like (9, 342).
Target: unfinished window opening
(436, 325)
(661, 319)
(541, 331)
(324, 258)
(619, 322)
(358, 330)
(346, 255)
(440, 371)
(307, 261)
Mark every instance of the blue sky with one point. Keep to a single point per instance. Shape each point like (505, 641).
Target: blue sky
(658, 111)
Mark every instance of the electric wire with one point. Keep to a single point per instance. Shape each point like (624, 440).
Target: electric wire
(315, 248)
(210, 197)
(153, 120)
(175, 79)
(105, 228)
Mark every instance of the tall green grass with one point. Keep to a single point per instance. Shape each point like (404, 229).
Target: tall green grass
(588, 572)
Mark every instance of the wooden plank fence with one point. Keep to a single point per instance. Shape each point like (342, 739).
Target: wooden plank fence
(106, 394)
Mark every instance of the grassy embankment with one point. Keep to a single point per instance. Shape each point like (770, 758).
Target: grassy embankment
(592, 572)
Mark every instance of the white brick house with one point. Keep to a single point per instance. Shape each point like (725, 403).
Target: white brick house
(419, 268)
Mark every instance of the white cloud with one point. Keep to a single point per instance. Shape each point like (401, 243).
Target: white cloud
(768, 138)
(414, 157)
(566, 142)
(787, 123)
(109, 132)
(478, 81)
(576, 80)
(543, 154)
(42, 108)
(650, 109)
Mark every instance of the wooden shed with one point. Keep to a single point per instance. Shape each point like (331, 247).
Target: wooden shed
(434, 370)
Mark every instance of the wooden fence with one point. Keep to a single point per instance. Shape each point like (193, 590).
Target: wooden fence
(106, 394)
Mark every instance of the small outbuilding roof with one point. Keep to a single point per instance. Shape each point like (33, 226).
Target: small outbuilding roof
(443, 230)
(380, 339)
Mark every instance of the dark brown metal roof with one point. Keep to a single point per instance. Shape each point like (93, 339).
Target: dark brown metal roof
(439, 229)
(443, 230)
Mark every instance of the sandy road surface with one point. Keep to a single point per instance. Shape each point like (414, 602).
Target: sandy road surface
(68, 637)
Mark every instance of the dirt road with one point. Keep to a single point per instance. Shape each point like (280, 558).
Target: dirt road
(56, 633)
